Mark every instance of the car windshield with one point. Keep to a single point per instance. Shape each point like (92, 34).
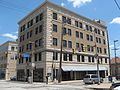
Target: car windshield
(94, 76)
(87, 76)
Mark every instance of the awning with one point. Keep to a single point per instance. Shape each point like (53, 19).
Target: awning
(83, 68)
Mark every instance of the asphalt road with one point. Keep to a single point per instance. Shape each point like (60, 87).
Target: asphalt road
(11, 85)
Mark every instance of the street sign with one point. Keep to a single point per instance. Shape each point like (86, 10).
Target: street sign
(26, 55)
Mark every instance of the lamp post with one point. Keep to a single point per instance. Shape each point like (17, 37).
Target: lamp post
(61, 47)
(115, 56)
(32, 62)
(97, 59)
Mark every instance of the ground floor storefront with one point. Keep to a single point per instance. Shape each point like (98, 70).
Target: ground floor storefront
(67, 75)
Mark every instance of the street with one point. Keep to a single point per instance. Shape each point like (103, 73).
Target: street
(15, 85)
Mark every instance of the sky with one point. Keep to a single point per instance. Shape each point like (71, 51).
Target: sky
(12, 11)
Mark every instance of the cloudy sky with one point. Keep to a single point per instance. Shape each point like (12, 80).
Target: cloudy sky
(13, 11)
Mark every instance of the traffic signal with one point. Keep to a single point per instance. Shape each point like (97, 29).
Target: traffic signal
(84, 49)
(73, 51)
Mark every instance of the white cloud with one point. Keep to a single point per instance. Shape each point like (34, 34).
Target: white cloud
(78, 3)
(116, 20)
(8, 35)
(111, 46)
(62, 4)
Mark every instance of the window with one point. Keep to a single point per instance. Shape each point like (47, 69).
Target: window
(99, 40)
(82, 58)
(36, 30)
(70, 57)
(78, 58)
(64, 31)
(55, 56)
(69, 44)
(89, 59)
(22, 28)
(40, 28)
(90, 28)
(54, 28)
(92, 49)
(87, 28)
(105, 60)
(81, 26)
(92, 59)
(12, 48)
(68, 20)
(31, 22)
(64, 43)
(30, 33)
(54, 15)
(105, 51)
(27, 46)
(101, 60)
(37, 19)
(91, 38)
(100, 50)
(69, 32)
(64, 19)
(82, 47)
(55, 41)
(35, 57)
(104, 42)
(76, 23)
(97, 49)
(95, 30)
(81, 35)
(40, 42)
(77, 45)
(65, 56)
(98, 31)
(36, 43)
(27, 35)
(41, 16)
(87, 36)
(103, 33)
(40, 56)
(77, 34)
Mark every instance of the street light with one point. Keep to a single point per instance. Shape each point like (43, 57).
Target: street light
(32, 62)
(61, 47)
(115, 56)
(97, 59)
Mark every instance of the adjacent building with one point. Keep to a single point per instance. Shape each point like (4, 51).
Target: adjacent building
(8, 59)
(84, 44)
(115, 66)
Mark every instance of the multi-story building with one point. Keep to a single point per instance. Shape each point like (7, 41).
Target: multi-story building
(115, 66)
(8, 59)
(40, 34)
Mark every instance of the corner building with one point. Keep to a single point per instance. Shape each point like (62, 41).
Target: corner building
(8, 59)
(82, 39)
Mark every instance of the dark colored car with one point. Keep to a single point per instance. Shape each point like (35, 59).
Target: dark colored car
(13, 78)
(115, 85)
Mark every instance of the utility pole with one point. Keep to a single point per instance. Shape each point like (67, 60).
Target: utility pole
(32, 61)
(61, 47)
(115, 49)
(97, 59)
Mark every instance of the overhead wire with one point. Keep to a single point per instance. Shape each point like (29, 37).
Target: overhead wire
(117, 4)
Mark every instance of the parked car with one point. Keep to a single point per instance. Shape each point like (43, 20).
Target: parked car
(13, 78)
(115, 86)
(91, 78)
